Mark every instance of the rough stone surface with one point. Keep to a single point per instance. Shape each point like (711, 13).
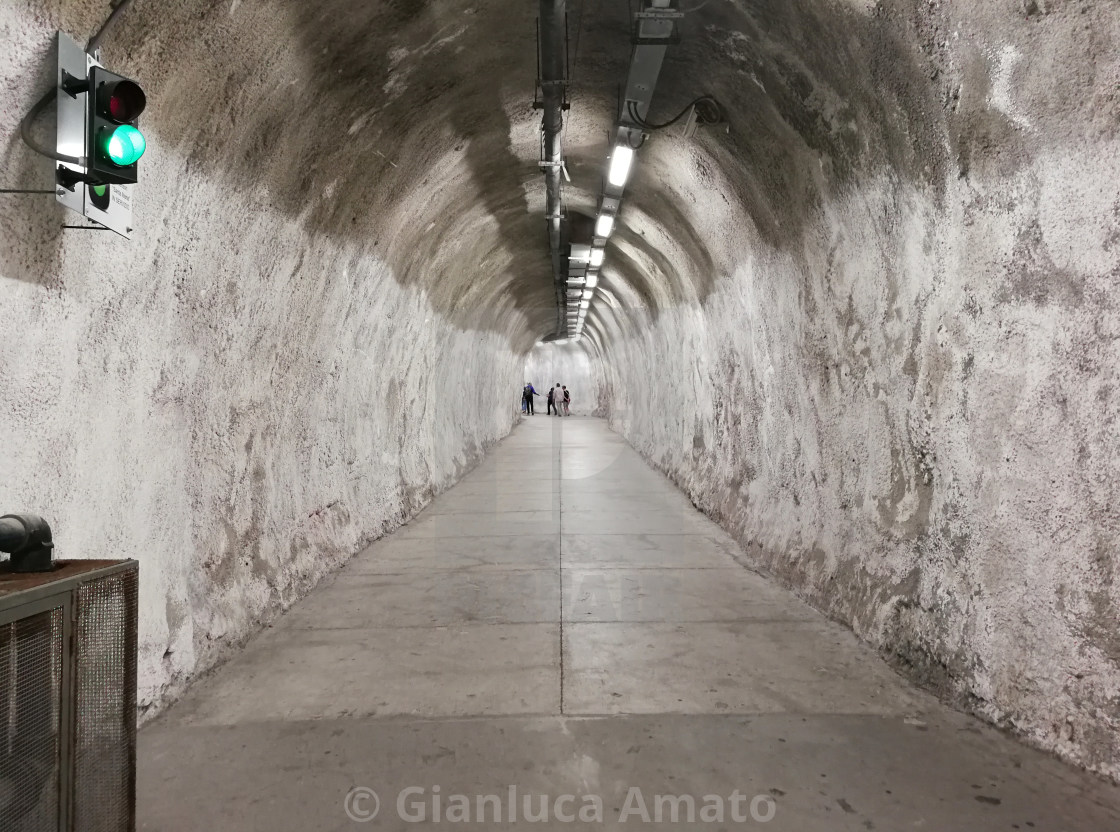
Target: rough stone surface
(621, 645)
(273, 372)
(896, 378)
(871, 327)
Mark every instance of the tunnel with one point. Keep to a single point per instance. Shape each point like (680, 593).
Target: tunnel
(858, 317)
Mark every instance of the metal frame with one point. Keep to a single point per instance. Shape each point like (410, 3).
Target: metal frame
(63, 594)
(653, 29)
(16, 600)
(71, 112)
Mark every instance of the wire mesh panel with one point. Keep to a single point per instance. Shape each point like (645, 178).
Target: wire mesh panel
(105, 704)
(30, 707)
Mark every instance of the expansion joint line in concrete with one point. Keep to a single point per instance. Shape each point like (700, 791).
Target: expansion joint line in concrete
(558, 464)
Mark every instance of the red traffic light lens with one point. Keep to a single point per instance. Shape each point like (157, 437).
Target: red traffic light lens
(126, 101)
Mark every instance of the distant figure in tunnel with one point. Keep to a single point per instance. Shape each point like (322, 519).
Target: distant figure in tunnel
(527, 399)
(567, 400)
(554, 397)
(550, 398)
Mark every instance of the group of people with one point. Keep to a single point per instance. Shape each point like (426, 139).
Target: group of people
(559, 399)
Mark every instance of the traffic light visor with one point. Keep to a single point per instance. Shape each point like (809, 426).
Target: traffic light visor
(126, 101)
(123, 145)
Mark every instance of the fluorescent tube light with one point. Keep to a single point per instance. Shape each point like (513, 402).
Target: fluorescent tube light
(621, 160)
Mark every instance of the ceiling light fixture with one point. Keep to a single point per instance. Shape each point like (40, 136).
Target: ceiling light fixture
(621, 160)
(597, 255)
(604, 226)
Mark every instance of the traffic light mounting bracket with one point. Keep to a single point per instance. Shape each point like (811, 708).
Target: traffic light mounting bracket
(72, 86)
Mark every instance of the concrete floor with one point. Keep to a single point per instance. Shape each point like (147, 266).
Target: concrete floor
(564, 622)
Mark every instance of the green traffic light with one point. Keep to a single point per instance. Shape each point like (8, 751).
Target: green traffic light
(99, 196)
(123, 145)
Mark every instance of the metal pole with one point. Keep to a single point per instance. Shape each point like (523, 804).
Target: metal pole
(553, 83)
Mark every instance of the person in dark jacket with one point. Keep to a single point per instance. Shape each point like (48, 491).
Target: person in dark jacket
(527, 398)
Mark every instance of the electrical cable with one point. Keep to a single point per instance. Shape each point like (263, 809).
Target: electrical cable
(579, 31)
(42, 103)
(714, 115)
(696, 8)
(95, 41)
(29, 140)
(571, 67)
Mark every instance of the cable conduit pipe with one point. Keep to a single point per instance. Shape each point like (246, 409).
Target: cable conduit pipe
(553, 83)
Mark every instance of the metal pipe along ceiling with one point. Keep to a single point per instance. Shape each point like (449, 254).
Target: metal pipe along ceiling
(553, 85)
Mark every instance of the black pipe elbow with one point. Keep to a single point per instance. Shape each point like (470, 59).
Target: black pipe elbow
(27, 537)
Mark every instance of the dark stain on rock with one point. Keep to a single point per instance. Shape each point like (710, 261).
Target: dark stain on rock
(1099, 626)
(1033, 278)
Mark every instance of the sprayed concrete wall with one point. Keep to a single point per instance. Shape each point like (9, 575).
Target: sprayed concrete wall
(870, 324)
(271, 373)
(899, 385)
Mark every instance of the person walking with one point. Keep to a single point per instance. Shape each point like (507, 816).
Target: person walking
(551, 401)
(528, 398)
(557, 398)
(567, 400)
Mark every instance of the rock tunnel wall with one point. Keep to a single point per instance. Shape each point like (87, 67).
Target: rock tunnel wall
(870, 323)
(270, 374)
(892, 371)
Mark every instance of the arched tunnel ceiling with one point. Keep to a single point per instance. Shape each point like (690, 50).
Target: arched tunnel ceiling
(406, 128)
(868, 324)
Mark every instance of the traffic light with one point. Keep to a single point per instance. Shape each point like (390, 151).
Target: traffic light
(114, 144)
(99, 143)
